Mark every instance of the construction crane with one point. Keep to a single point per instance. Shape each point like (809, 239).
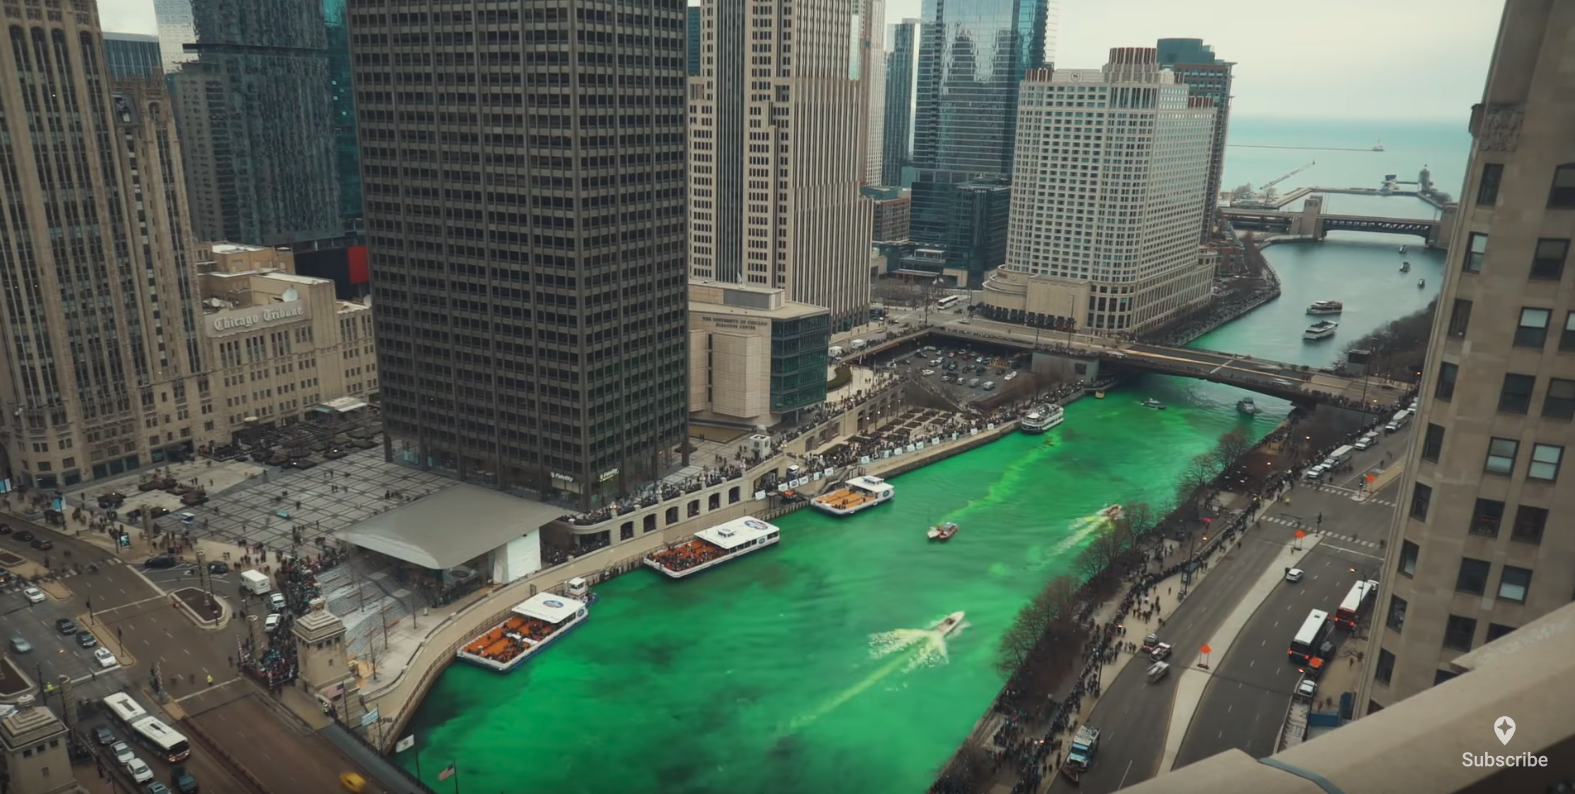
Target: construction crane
(1265, 189)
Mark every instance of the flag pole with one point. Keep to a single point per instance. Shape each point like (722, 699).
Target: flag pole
(456, 779)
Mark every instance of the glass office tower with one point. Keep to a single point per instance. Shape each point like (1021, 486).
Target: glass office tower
(972, 58)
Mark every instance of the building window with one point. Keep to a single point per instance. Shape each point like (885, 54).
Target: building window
(1373, 707)
(1476, 249)
(1529, 523)
(1396, 619)
(1501, 456)
(1486, 517)
(1567, 339)
(1548, 262)
(1459, 318)
(1545, 460)
(1386, 666)
(1443, 676)
(1445, 388)
(1421, 497)
(1496, 630)
(1514, 397)
(1533, 328)
(1562, 196)
(1487, 189)
(1473, 576)
(1408, 554)
(1433, 442)
(1513, 584)
(1560, 402)
(1458, 632)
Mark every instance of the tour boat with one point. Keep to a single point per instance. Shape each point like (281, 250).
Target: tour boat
(1326, 307)
(1246, 406)
(713, 546)
(1041, 419)
(534, 624)
(1405, 267)
(950, 624)
(859, 493)
(1322, 329)
(1153, 403)
(1378, 147)
(1402, 249)
(942, 532)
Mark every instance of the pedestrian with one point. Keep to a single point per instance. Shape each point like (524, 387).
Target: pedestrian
(210, 679)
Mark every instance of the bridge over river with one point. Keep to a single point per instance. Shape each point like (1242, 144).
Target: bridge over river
(1311, 221)
(1297, 383)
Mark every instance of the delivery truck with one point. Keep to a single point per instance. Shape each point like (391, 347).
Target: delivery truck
(255, 582)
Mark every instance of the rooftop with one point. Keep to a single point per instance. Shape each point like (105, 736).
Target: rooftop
(736, 533)
(550, 607)
(451, 526)
(233, 248)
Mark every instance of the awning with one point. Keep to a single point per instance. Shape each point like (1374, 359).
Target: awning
(339, 405)
(450, 527)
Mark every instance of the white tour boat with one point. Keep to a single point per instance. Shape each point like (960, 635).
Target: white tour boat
(713, 546)
(1322, 329)
(534, 624)
(859, 493)
(1405, 267)
(1326, 307)
(1246, 406)
(1041, 419)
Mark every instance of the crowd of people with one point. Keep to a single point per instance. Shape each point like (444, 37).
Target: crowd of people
(276, 668)
(695, 553)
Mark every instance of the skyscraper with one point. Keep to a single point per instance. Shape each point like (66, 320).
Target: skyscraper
(1206, 76)
(1482, 541)
(1106, 200)
(132, 56)
(782, 154)
(972, 57)
(255, 108)
(875, 61)
(897, 130)
(342, 97)
(527, 238)
(692, 39)
(103, 371)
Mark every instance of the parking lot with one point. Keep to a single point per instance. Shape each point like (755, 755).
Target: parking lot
(967, 375)
(52, 653)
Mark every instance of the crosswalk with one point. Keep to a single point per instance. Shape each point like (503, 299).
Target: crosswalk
(1332, 535)
(1355, 495)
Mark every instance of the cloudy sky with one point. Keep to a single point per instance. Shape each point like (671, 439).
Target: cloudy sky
(1341, 59)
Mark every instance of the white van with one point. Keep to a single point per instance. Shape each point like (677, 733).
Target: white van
(1367, 441)
(1400, 421)
(1339, 456)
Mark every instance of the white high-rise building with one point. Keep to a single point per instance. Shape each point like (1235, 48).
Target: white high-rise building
(1109, 188)
(778, 131)
(875, 46)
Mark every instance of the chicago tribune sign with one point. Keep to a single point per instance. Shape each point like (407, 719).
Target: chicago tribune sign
(232, 322)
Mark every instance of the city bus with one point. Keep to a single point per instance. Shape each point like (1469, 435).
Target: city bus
(162, 739)
(948, 301)
(125, 710)
(1313, 632)
(1354, 604)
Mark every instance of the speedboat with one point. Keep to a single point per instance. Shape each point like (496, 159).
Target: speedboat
(950, 624)
(1421, 282)
(1153, 403)
(942, 532)
(1326, 307)
(1246, 406)
(1402, 249)
(1323, 329)
(1378, 147)
(1405, 267)
(1113, 512)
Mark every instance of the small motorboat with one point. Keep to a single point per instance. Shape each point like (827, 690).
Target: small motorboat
(1402, 249)
(1246, 406)
(1153, 403)
(1421, 282)
(950, 624)
(942, 532)
(1112, 512)
(1405, 267)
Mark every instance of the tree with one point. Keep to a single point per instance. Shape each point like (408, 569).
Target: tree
(1018, 642)
(1139, 518)
(1234, 445)
(1199, 471)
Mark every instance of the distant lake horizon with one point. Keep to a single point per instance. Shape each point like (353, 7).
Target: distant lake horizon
(1342, 152)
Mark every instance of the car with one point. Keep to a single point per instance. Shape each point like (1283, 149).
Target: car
(1149, 642)
(926, 372)
(159, 563)
(218, 568)
(41, 544)
(19, 644)
(35, 595)
(182, 780)
(104, 658)
(123, 754)
(1160, 652)
(157, 788)
(24, 536)
(1307, 689)
(276, 602)
(1293, 575)
(66, 626)
(86, 639)
(272, 621)
(5, 529)
(139, 771)
(1315, 472)
(104, 736)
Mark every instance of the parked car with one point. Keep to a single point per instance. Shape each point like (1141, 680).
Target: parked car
(19, 644)
(272, 621)
(123, 754)
(182, 780)
(41, 544)
(35, 595)
(104, 736)
(139, 771)
(86, 639)
(1293, 575)
(5, 529)
(24, 537)
(66, 626)
(1306, 689)
(104, 658)
(157, 788)
(1160, 652)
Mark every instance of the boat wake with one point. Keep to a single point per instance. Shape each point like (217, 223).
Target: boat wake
(1082, 528)
(904, 650)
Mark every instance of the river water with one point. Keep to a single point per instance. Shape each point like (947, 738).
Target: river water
(805, 669)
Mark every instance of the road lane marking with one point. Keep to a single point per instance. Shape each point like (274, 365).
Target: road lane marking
(1123, 782)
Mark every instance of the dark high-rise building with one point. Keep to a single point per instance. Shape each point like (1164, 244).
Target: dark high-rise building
(1206, 76)
(527, 238)
(342, 96)
(692, 39)
(900, 71)
(255, 109)
(972, 58)
(132, 56)
(101, 365)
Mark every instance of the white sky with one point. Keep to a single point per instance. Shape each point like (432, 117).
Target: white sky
(1336, 59)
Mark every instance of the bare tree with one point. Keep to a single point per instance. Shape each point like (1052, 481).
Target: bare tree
(1139, 518)
(1232, 447)
(1018, 642)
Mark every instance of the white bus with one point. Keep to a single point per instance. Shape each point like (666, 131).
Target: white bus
(162, 739)
(125, 710)
(948, 301)
(1313, 632)
(1351, 607)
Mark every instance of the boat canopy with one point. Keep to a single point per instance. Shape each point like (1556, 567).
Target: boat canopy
(737, 532)
(869, 483)
(550, 607)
